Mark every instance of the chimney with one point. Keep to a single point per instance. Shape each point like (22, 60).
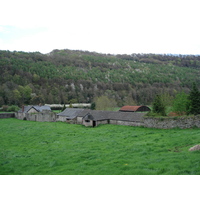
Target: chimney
(22, 108)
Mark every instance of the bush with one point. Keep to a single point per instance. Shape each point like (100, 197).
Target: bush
(13, 108)
(5, 108)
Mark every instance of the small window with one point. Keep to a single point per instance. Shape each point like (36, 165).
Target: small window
(87, 121)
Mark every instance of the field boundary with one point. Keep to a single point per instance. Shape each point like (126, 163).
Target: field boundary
(172, 122)
(7, 115)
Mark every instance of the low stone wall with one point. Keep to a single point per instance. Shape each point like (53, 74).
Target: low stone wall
(7, 115)
(126, 123)
(172, 122)
(60, 118)
(102, 122)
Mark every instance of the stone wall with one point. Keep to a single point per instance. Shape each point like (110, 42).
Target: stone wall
(7, 115)
(88, 122)
(172, 122)
(20, 115)
(102, 122)
(79, 120)
(126, 123)
(61, 118)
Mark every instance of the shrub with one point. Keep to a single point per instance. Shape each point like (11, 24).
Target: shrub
(13, 108)
(5, 108)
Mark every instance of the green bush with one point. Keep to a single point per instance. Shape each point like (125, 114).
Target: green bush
(5, 108)
(13, 108)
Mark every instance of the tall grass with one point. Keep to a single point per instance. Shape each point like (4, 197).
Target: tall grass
(28, 147)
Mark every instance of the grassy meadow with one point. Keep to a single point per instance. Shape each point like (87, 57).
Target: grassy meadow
(30, 148)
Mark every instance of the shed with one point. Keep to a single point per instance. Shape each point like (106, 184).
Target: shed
(135, 109)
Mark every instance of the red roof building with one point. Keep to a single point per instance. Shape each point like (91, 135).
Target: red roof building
(135, 109)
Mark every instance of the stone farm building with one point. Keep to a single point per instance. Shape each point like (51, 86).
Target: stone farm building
(69, 114)
(94, 117)
(36, 113)
(34, 109)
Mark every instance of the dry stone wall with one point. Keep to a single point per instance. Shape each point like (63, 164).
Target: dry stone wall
(126, 123)
(7, 115)
(172, 122)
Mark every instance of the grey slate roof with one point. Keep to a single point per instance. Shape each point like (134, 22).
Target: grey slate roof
(70, 113)
(124, 116)
(112, 115)
(37, 108)
(26, 109)
(41, 108)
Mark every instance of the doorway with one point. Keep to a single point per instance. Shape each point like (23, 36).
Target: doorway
(94, 123)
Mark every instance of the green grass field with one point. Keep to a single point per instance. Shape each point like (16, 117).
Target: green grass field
(28, 147)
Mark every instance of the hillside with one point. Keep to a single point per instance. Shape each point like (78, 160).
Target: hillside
(79, 76)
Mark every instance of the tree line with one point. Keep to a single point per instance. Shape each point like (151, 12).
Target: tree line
(182, 103)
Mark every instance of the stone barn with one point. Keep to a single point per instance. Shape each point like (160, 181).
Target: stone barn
(135, 109)
(25, 111)
(69, 115)
(94, 118)
(34, 109)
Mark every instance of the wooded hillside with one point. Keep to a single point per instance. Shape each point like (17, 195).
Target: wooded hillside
(64, 76)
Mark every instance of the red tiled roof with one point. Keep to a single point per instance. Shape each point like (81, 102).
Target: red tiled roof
(129, 108)
(134, 108)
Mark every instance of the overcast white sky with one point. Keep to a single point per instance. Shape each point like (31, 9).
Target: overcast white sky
(105, 26)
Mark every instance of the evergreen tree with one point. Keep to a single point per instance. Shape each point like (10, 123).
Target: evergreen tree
(158, 106)
(93, 106)
(64, 107)
(180, 103)
(193, 106)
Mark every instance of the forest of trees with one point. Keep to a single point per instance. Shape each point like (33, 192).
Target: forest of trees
(65, 76)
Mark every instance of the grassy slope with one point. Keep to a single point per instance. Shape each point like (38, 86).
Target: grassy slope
(57, 148)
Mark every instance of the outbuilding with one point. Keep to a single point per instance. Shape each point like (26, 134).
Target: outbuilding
(69, 115)
(31, 109)
(94, 118)
(34, 109)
